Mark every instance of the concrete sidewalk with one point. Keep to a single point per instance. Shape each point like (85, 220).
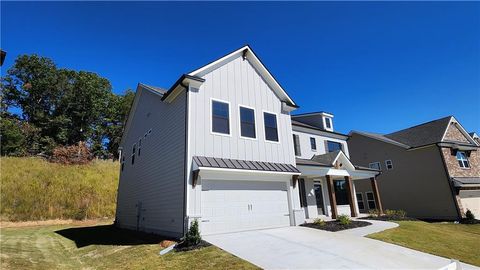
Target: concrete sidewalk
(377, 226)
(306, 248)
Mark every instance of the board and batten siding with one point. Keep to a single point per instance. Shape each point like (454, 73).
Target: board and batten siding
(238, 83)
(157, 177)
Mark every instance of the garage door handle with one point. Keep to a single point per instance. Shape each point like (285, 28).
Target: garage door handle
(287, 215)
(205, 220)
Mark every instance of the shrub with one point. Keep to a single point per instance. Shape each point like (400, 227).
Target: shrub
(319, 222)
(193, 237)
(374, 213)
(469, 215)
(395, 214)
(344, 219)
(76, 154)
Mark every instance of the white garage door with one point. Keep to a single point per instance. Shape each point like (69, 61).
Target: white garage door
(229, 206)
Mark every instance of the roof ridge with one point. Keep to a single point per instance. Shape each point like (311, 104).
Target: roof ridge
(429, 122)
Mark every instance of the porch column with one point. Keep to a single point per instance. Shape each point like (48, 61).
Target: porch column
(331, 196)
(351, 196)
(376, 194)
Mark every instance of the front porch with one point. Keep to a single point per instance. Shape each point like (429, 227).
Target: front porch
(327, 186)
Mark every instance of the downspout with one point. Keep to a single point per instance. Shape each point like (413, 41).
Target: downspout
(185, 185)
(452, 188)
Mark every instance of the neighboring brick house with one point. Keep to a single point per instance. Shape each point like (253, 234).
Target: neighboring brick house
(431, 170)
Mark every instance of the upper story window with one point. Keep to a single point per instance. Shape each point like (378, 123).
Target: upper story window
(296, 145)
(313, 144)
(463, 159)
(271, 130)
(247, 123)
(389, 164)
(375, 165)
(328, 123)
(220, 117)
(333, 146)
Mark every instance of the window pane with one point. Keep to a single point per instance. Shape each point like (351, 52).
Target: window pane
(370, 196)
(271, 133)
(341, 192)
(328, 123)
(371, 205)
(313, 144)
(333, 146)
(359, 197)
(247, 122)
(220, 117)
(361, 206)
(296, 145)
(374, 165)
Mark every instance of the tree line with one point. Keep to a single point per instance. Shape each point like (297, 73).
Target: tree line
(44, 107)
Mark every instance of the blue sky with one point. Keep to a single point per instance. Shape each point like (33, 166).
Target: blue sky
(377, 66)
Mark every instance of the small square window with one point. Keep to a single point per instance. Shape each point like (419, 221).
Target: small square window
(220, 117)
(313, 144)
(389, 164)
(271, 130)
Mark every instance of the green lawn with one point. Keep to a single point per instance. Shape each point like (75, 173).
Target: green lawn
(101, 247)
(456, 241)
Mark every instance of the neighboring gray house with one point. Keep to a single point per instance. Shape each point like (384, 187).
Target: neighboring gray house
(431, 170)
(217, 146)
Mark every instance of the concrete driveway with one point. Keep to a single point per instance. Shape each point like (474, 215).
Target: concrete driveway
(306, 248)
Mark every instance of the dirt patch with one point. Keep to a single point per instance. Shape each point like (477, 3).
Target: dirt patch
(89, 222)
(335, 226)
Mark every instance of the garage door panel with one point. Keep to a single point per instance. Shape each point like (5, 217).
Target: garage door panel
(242, 205)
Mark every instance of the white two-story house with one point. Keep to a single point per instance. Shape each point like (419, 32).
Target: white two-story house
(217, 147)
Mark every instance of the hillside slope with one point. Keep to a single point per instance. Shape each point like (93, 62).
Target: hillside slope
(34, 189)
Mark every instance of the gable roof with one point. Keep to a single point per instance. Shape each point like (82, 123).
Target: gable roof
(423, 134)
(301, 124)
(247, 53)
(428, 133)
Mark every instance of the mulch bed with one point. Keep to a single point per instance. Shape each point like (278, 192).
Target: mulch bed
(335, 226)
(389, 218)
(181, 247)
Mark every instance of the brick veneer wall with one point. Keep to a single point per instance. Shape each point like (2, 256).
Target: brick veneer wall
(454, 134)
(454, 169)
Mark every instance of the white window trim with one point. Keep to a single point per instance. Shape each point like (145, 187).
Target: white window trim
(386, 164)
(361, 195)
(240, 122)
(229, 118)
(264, 129)
(374, 202)
(463, 160)
(379, 165)
(316, 146)
(325, 123)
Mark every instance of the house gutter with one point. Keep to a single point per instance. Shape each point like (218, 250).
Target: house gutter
(450, 184)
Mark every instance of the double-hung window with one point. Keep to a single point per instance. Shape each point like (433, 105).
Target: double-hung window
(360, 203)
(371, 200)
(220, 117)
(341, 195)
(247, 123)
(271, 129)
(389, 164)
(296, 145)
(328, 123)
(463, 159)
(313, 144)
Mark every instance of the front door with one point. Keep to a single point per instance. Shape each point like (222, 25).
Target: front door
(319, 198)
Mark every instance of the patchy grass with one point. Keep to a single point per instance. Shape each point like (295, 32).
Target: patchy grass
(455, 241)
(101, 247)
(34, 189)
